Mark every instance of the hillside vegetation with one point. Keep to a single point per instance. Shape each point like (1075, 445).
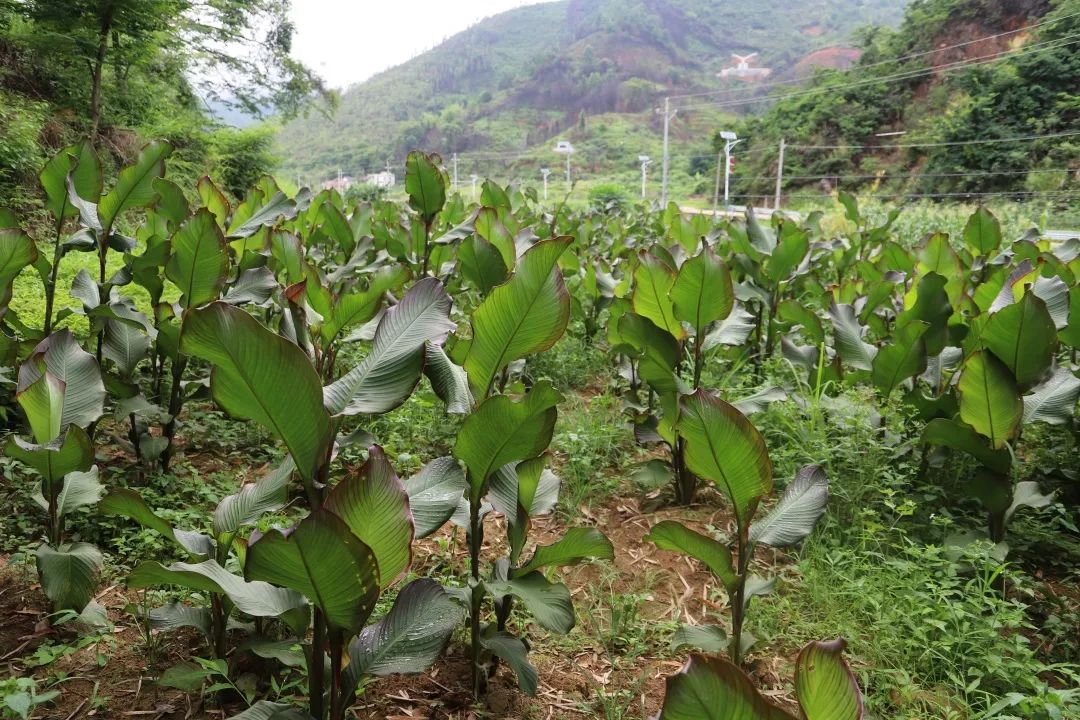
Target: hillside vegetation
(522, 77)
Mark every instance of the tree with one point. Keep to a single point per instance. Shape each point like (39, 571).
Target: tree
(236, 52)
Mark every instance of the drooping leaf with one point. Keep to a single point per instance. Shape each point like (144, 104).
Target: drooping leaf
(388, 374)
(434, 494)
(674, 536)
(277, 208)
(409, 638)
(760, 400)
(255, 499)
(731, 331)
(325, 562)
(724, 447)
(252, 366)
(255, 286)
(958, 436)
(903, 358)
(549, 603)
(825, 685)
(1053, 402)
(502, 431)
(174, 616)
(850, 345)
(514, 653)
(214, 200)
(84, 391)
(81, 162)
(449, 381)
(990, 401)
(798, 511)
(266, 710)
(17, 251)
(69, 574)
(707, 638)
(525, 315)
(199, 264)
(258, 599)
(375, 506)
(128, 503)
(124, 345)
(481, 263)
(712, 688)
(576, 545)
(71, 452)
(42, 401)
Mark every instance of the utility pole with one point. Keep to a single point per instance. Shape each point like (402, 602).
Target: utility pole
(730, 141)
(474, 178)
(455, 171)
(645, 163)
(668, 115)
(568, 169)
(716, 188)
(545, 172)
(780, 173)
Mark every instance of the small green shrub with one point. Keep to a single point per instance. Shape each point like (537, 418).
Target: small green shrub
(608, 197)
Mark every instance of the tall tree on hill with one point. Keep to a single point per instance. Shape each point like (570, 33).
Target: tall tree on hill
(236, 52)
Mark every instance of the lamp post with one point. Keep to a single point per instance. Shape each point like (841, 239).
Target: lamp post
(545, 172)
(730, 141)
(645, 163)
(669, 115)
(563, 147)
(474, 178)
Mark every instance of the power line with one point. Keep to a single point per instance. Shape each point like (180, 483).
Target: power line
(988, 173)
(908, 75)
(905, 58)
(983, 141)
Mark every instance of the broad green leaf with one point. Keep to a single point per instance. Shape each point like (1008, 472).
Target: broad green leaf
(707, 638)
(1053, 402)
(360, 305)
(449, 381)
(798, 511)
(171, 202)
(481, 263)
(258, 599)
(797, 313)
(128, 503)
(434, 494)
(390, 371)
(654, 281)
(267, 494)
(17, 251)
(266, 710)
(958, 436)
(43, 403)
(174, 615)
(214, 200)
(761, 399)
(549, 603)
(732, 331)
(252, 367)
(79, 489)
(724, 447)
(901, 359)
(1024, 337)
(199, 264)
(502, 431)
(788, 254)
(674, 536)
(135, 185)
(82, 164)
(515, 653)
(657, 349)
(278, 207)
(850, 346)
(375, 506)
(931, 306)
(490, 228)
(525, 315)
(325, 562)
(409, 638)
(712, 688)
(526, 487)
(69, 574)
(1070, 335)
(576, 545)
(71, 452)
(1027, 494)
(982, 233)
(255, 286)
(990, 401)
(825, 685)
(425, 184)
(703, 293)
(84, 391)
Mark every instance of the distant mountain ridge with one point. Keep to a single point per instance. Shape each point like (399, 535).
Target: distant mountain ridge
(523, 76)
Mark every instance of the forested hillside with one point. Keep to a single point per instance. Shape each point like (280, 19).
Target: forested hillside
(934, 106)
(524, 76)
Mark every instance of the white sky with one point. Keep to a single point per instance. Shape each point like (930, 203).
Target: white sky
(347, 41)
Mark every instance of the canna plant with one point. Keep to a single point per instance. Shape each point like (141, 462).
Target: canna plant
(61, 394)
(502, 444)
(712, 688)
(723, 447)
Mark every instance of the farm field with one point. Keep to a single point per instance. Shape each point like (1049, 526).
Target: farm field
(307, 457)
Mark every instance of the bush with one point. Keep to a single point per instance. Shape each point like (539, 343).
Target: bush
(608, 197)
(242, 156)
(21, 121)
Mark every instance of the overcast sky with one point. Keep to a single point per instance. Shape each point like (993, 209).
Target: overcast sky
(347, 41)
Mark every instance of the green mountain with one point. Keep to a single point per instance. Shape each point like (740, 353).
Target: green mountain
(516, 80)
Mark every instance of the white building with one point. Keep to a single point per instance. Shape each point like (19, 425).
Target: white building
(743, 70)
(384, 179)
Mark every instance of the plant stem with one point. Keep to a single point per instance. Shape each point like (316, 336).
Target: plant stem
(427, 240)
(50, 284)
(476, 539)
(219, 622)
(315, 674)
(337, 700)
(176, 402)
(745, 552)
